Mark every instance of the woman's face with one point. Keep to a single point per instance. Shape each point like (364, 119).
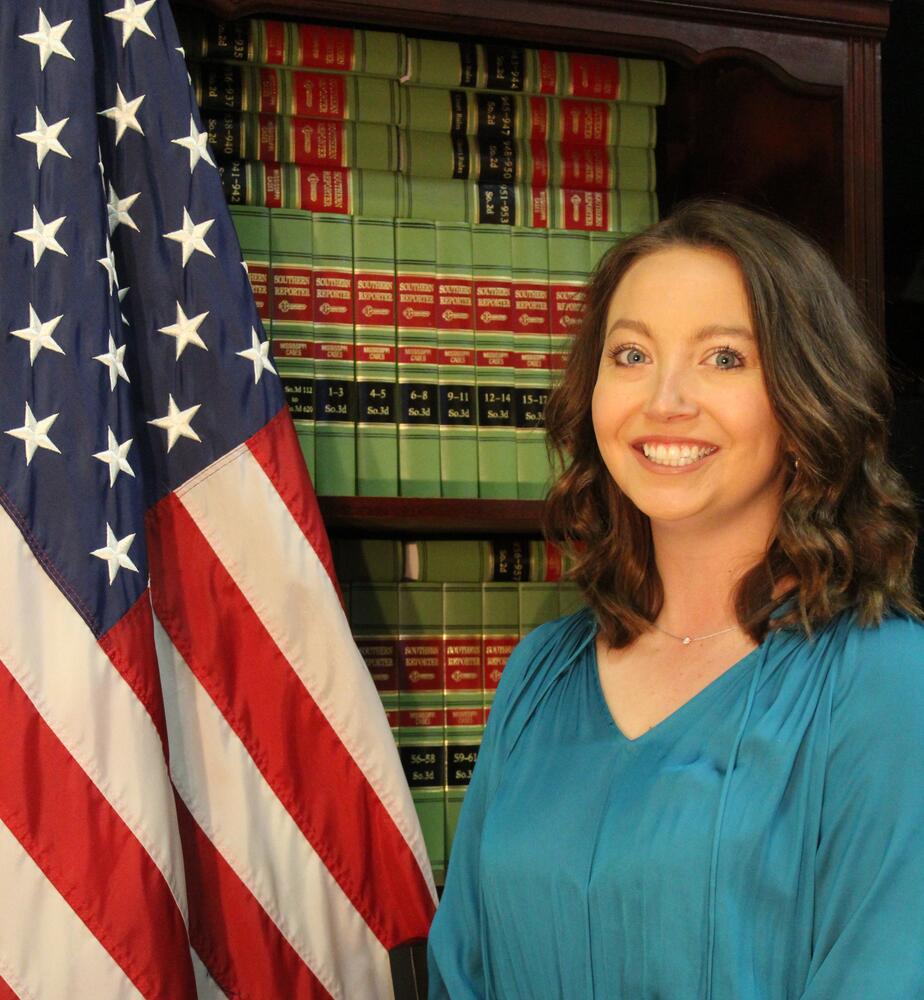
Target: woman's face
(680, 410)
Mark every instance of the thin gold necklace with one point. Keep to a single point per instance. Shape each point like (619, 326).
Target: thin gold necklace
(687, 639)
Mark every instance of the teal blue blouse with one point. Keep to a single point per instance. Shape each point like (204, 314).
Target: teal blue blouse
(763, 842)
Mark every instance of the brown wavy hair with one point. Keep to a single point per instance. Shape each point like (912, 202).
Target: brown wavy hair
(847, 524)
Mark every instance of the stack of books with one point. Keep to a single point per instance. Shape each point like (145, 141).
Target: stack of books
(436, 651)
(419, 219)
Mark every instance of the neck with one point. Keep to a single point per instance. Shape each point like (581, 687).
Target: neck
(700, 572)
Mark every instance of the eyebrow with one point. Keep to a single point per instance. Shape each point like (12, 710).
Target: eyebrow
(706, 333)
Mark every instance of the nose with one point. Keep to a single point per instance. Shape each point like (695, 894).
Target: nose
(671, 396)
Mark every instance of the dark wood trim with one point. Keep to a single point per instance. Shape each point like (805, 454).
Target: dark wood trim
(410, 515)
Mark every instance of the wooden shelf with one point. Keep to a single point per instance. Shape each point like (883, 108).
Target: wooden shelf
(410, 515)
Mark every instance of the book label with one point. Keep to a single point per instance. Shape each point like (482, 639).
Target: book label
(416, 304)
(382, 661)
(460, 764)
(334, 399)
(495, 405)
(423, 765)
(292, 293)
(566, 308)
(497, 650)
(594, 76)
(456, 405)
(539, 119)
(505, 67)
(420, 663)
(422, 718)
(530, 308)
(465, 715)
(468, 64)
(299, 393)
(530, 406)
(293, 350)
(376, 402)
(455, 305)
(548, 71)
(496, 115)
(324, 47)
(333, 298)
(511, 560)
(375, 304)
(584, 210)
(497, 203)
(463, 664)
(417, 403)
(497, 160)
(585, 122)
(259, 283)
(458, 101)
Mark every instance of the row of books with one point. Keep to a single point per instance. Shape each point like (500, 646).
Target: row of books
(425, 61)
(436, 653)
(514, 559)
(417, 356)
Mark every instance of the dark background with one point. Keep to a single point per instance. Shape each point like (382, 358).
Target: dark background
(903, 216)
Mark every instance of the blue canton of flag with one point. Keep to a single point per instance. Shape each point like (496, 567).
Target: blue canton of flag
(199, 792)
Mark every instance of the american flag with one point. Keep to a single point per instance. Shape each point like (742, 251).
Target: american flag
(199, 793)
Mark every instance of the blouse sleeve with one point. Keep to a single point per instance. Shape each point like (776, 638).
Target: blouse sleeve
(457, 942)
(868, 933)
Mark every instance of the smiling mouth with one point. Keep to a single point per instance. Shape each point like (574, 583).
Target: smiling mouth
(675, 455)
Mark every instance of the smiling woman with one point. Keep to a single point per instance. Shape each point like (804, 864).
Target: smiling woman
(708, 785)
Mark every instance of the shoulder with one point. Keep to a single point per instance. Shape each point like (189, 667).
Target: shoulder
(879, 691)
(534, 665)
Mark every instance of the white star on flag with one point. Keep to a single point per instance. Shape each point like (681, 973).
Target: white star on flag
(185, 329)
(114, 362)
(123, 114)
(118, 210)
(39, 334)
(132, 15)
(42, 236)
(115, 553)
(191, 236)
(48, 39)
(108, 265)
(35, 434)
(176, 423)
(122, 293)
(45, 137)
(258, 353)
(198, 145)
(114, 457)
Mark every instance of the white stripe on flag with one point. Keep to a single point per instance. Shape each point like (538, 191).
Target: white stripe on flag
(237, 509)
(206, 987)
(46, 951)
(87, 704)
(245, 821)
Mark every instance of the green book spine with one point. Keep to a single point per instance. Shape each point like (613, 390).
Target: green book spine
(454, 560)
(540, 71)
(289, 43)
(291, 237)
(375, 354)
(570, 598)
(471, 201)
(418, 374)
(532, 358)
(500, 619)
(374, 622)
(455, 320)
(488, 115)
(421, 687)
(569, 267)
(600, 244)
(307, 141)
(538, 603)
(304, 93)
(253, 233)
(464, 699)
(378, 560)
(533, 162)
(335, 397)
(494, 371)
(609, 211)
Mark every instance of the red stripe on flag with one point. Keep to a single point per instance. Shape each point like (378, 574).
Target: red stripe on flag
(290, 740)
(277, 451)
(88, 853)
(129, 644)
(6, 991)
(244, 951)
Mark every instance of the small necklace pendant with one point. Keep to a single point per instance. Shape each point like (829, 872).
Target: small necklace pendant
(686, 640)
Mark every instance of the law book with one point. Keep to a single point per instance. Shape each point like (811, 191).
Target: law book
(537, 603)
(569, 267)
(455, 322)
(600, 245)
(374, 623)
(520, 116)
(464, 697)
(334, 386)
(381, 193)
(520, 69)
(252, 225)
(318, 142)
(375, 356)
(418, 375)
(500, 622)
(494, 372)
(373, 560)
(535, 162)
(510, 559)
(532, 359)
(293, 43)
(421, 710)
(570, 597)
(305, 93)
(292, 311)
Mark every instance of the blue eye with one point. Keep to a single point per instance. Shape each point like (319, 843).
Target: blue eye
(727, 358)
(628, 356)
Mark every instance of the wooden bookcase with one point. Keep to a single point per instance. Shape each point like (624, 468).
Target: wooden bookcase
(773, 101)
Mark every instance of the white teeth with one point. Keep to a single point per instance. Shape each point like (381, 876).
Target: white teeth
(675, 455)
